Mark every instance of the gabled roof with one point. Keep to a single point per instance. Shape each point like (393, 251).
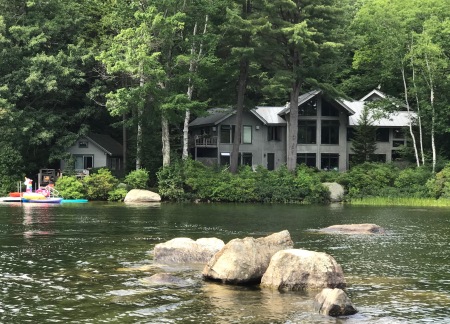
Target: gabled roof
(396, 119)
(308, 96)
(106, 143)
(214, 117)
(373, 95)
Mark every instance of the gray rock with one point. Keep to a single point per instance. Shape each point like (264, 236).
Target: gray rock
(334, 302)
(244, 261)
(164, 279)
(298, 269)
(336, 191)
(186, 250)
(142, 196)
(354, 229)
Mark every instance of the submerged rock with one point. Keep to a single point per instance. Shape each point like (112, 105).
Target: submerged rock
(298, 269)
(186, 250)
(334, 302)
(244, 261)
(165, 279)
(354, 229)
(142, 196)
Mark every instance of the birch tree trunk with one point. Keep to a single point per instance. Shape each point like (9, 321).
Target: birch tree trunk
(413, 137)
(140, 110)
(165, 140)
(433, 113)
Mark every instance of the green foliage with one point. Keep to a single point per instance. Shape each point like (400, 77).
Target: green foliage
(100, 184)
(117, 194)
(412, 182)
(191, 180)
(70, 187)
(10, 168)
(439, 186)
(137, 179)
(364, 144)
(368, 179)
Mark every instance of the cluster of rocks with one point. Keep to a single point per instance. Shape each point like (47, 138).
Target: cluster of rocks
(270, 261)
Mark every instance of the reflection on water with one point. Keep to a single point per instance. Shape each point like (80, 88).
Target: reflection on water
(90, 263)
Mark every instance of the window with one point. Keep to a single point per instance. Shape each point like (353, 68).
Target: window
(398, 133)
(396, 156)
(227, 134)
(307, 132)
(83, 144)
(329, 161)
(84, 162)
(309, 108)
(330, 132)
(274, 133)
(247, 159)
(328, 109)
(382, 134)
(114, 163)
(308, 159)
(398, 143)
(225, 158)
(247, 135)
(350, 134)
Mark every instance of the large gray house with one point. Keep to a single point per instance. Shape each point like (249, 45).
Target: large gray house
(324, 133)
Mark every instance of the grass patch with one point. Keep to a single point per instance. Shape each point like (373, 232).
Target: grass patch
(398, 201)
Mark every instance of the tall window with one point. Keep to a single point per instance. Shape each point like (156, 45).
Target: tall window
(329, 161)
(307, 132)
(328, 109)
(247, 159)
(350, 133)
(309, 108)
(307, 158)
(330, 132)
(274, 133)
(227, 134)
(247, 135)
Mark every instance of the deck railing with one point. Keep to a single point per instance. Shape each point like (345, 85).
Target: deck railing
(202, 140)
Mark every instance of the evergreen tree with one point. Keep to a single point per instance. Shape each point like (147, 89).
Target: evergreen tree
(364, 141)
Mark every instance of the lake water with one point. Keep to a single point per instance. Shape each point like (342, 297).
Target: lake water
(79, 263)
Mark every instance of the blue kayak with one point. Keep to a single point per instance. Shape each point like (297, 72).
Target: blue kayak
(74, 201)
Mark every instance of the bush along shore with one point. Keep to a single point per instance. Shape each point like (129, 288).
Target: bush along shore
(184, 181)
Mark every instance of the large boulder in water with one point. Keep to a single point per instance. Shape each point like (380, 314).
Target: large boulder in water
(334, 302)
(354, 229)
(298, 269)
(186, 250)
(244, 261)
(142, 196)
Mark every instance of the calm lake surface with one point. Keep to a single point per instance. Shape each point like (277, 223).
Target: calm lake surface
(80, 263)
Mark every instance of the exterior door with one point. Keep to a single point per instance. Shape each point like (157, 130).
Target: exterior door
(270, 161)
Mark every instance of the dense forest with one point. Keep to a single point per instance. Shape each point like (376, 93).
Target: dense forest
(140, 70)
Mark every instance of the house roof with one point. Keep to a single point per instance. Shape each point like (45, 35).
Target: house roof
(396, 119)
(106, 143)
(269, 115)
(373, 95)
(311, 94)
(214, 116)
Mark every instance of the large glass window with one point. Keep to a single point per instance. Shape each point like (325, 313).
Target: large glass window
(247, 159)
(227, 134)
(382, 134)
(309, 108)
(307, 158)
(330, 131)
(350, 133)
(328, 109)
(329, 161)
(84, 162)
(307, 132)
(274, 133)
(398, 133)
(225, 158)
(247, 135)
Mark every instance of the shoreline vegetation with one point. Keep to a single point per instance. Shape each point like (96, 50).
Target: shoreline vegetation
(190, 181)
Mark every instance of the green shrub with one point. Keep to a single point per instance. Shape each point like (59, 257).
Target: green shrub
(439, 185)
(117, 194)
(99, 185)
(70, 187)
(411, 182)
(368, 179)
(11, 171)
(137, 179)
(171, 181)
